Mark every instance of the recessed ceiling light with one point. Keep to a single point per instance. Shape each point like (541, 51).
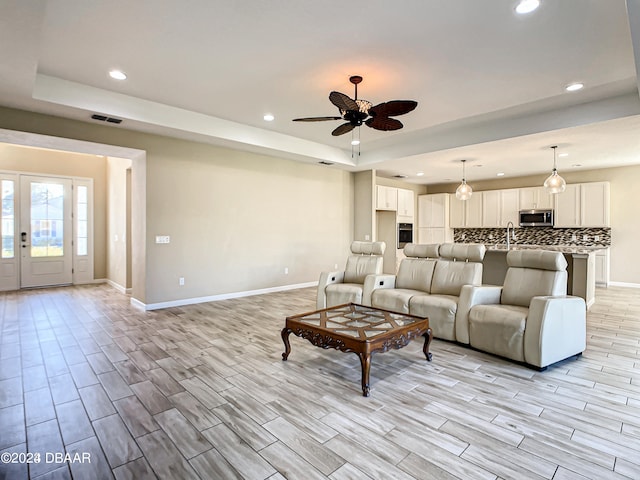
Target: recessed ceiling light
(527, 6)
(563, 154)
(268, 117)
(574, 87)
(500, 174)
(118, 75)
(419, 174)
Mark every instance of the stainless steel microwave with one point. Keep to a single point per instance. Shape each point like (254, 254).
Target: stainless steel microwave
(536, 218)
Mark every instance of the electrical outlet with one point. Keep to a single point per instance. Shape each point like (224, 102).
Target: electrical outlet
(367, 237)
(574, 238)
(585, 238)
(163, 239)
(181, 281)
(335, 267)
(490, 236)
(596, 238)
(286, 270)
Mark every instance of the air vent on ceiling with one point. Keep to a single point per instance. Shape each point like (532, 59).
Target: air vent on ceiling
(322, 162)
(400, 176)
(104, 118)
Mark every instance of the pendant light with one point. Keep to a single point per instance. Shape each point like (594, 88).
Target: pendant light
(464, 191)
(554, 182)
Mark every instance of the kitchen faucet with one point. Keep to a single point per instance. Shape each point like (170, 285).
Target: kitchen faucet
(510, 225)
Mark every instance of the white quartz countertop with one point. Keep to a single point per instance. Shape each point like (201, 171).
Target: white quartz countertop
(554, 248)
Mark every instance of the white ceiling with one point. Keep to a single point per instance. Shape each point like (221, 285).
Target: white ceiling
(489, 83)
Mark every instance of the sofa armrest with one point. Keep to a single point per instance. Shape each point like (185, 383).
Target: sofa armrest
(556, 329)
(375, 282)
(471, 295)
(327, 278)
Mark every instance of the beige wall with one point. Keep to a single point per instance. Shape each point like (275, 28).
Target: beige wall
(625, 225)
(51, 162)
(236, 219)
(117, 219)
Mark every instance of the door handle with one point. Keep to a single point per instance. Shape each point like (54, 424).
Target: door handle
(23, 236)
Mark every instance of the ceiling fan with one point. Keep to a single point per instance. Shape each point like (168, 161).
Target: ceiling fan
(356, 112)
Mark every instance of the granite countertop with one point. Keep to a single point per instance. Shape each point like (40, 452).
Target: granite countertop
(555, 248)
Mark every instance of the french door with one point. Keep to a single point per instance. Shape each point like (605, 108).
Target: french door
(46, 233)
(46, 229)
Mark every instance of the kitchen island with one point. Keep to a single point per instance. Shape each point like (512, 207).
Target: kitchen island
(581, 267)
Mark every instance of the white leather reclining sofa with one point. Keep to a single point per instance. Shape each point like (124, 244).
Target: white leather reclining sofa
(429, 281)
(355, 283)
(530, 319)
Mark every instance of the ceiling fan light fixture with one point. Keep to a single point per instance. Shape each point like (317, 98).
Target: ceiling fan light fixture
(554, 182)
(464, 190)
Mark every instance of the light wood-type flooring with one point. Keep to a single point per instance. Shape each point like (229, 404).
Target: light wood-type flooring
(201, 392)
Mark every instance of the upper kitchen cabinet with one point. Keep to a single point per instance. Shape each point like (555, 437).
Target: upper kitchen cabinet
(583, 205)
(499, 207)
(433, 219)
(535, 198)
(595, 204)
(466, 213)
(386, 198)
(433, 210)
(406, 205)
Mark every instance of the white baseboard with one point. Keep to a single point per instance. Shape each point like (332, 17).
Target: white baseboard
(215, 298)
(624, 284)
(91, 282)
(120, 288)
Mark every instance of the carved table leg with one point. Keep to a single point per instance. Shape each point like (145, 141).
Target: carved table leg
(428, 336)
(365, 361)
(285, 338)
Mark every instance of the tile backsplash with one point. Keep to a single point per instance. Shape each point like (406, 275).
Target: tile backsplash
(584, 237)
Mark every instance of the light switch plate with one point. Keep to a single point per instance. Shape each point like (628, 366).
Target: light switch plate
(163, 239)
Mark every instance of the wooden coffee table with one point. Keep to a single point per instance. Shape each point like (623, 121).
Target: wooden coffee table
(359, 329)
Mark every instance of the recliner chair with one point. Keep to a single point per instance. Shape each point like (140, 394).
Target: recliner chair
(351, 285)
(530, 319)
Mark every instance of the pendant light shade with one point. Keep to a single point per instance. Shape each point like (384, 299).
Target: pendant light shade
(554, 182)
(464, 191)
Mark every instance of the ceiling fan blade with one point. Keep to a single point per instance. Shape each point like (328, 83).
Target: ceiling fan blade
(393, 108)
(384, 123)
(342, 101)
(342, 129)
(316, 119)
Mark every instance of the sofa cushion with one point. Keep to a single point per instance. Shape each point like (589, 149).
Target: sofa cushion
(359, 266)
(394, 299)
(339, 293)
(522, 284)
(441, 311)
(450, 276)
(415, 274)
(498, 329)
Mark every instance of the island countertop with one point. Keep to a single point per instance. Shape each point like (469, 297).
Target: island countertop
(578, 249)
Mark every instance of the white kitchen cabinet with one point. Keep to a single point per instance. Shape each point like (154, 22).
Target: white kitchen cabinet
(491, 208)
(594, 204)
(535, 198)
(433, 210)
(583, 205)
(386, 198)
(509, 207)
(602, 267)
(567, 207)
(456, 212)
(406, 204)
(465, 213)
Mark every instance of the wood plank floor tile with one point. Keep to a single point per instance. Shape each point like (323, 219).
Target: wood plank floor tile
(289, 464)
(164, 457)
(189, 441)
(12, 420)
(246, 461)
(116, 441)
(252, 433)
(44, 438)
(194, 411)
(211, 464)
(138, 469)
(96, 402)
(135, 416)
(97, 466)
(152, 398)
(38, 406)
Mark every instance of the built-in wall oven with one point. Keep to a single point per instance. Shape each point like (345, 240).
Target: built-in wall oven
(405, 234)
